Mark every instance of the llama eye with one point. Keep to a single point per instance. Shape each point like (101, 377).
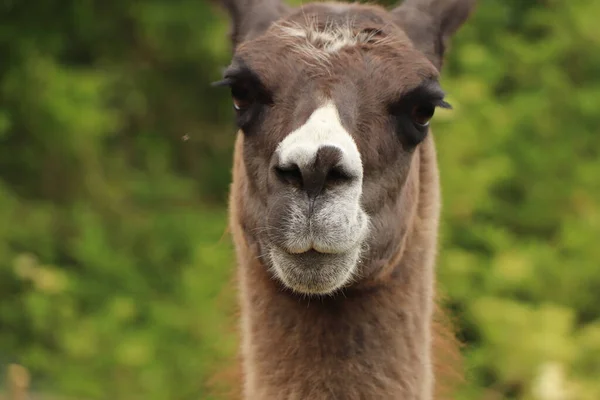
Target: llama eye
(421, 114)
(241, 97)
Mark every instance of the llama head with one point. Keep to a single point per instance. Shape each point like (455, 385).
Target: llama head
(332, 101)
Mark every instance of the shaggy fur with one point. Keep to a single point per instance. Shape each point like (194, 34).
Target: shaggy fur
(371, 339)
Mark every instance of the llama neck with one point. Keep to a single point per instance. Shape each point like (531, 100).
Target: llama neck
(366, 344)
(373, 345)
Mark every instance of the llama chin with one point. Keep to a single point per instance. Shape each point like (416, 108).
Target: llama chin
(313, 272)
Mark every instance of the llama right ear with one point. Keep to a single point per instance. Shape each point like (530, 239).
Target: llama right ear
(249, 18)
(431, 23)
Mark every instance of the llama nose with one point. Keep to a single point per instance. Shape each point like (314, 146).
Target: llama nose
(325, 170)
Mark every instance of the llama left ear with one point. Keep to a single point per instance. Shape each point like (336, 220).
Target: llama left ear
(251, 17)
(431, 23)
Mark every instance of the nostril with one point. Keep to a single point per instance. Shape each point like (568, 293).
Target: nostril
(290, 173)
(338, 175)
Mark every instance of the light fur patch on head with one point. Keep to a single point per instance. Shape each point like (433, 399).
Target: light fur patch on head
(331, 38)
(318, 43)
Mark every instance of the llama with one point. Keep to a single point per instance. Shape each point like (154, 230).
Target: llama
(334, 203)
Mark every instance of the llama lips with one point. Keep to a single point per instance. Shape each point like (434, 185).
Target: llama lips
(311, 255)
(313, 272)
(310, 258)
(312, 251)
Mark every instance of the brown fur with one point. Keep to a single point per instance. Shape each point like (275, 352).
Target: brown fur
(226, 383)
(372, 339)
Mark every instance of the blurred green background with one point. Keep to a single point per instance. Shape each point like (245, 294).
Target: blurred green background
(115, 152)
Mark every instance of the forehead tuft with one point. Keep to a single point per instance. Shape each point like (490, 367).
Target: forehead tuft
(329, 28)
(330, 37)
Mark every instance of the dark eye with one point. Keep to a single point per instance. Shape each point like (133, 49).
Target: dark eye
(241, 96)
(421, 114)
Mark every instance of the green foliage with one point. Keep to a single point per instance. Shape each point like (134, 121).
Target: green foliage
(111, 258)
(113, 261)
(519, 158)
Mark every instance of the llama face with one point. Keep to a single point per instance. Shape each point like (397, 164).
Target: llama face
(332, 101)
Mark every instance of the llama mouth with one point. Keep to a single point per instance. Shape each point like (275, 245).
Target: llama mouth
(308, 257)
(310, 252)
(313, 272)
(301, 252)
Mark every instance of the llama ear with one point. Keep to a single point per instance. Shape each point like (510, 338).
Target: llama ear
(431, 23)
(251, 17)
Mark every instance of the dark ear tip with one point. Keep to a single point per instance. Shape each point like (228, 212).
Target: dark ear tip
(222, 82)
(444, 104)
